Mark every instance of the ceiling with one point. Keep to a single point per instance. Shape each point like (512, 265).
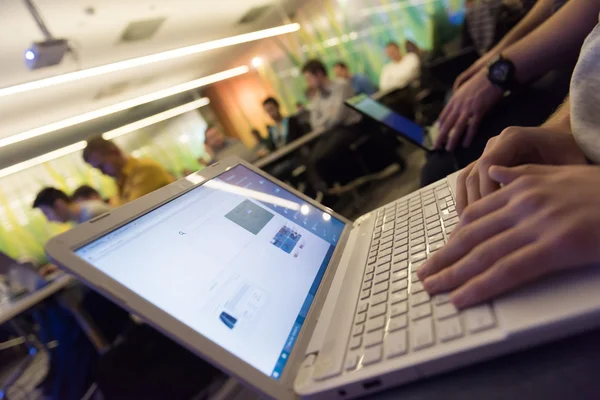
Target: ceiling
(94, 28)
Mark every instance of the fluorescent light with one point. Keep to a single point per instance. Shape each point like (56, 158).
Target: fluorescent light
(108, 135)
(257, 62)
(102, 112)
(150, 59)
(173, 112)
(43, 158)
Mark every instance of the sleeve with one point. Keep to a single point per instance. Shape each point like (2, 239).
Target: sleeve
(384, 80)
(317, 120)
(147, 179)
(341, 112)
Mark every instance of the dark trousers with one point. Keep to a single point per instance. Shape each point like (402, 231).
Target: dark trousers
(529, 107)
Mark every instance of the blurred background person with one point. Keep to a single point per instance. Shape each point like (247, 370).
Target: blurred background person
(285, 130)
(360, 83)
(86, 192)
(135, 177)
(58, 207)
(218, 147)
(402, 70)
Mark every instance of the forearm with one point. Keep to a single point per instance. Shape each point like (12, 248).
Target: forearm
(534, 18)
(561, 119)
(557, 39)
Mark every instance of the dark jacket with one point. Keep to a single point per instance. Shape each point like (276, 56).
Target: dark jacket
(295, 130)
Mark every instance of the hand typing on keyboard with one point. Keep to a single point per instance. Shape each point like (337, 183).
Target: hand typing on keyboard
(544, 219)
(515, 146)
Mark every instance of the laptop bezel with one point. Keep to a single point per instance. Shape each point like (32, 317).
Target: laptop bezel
(61, 250)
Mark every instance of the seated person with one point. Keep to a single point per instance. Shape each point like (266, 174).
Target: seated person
(529, 205)
(85, 193)
(303, 115)
(218, 147)
(135, 177)
(58, 207)
(402, 70)
(285, 130)
(360, 83)
(539, 69)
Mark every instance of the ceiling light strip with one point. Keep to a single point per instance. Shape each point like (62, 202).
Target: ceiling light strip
(125, 105)
(150, 59)
(108, 135)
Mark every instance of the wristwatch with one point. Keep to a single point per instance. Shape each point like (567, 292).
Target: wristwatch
(502, 73)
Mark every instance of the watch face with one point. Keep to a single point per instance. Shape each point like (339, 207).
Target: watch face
(500, 72)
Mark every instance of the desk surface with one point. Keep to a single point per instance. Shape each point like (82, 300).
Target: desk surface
(288, 148)
(12, 309)
(558, 370)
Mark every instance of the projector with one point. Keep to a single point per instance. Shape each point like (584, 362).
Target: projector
(46, 53)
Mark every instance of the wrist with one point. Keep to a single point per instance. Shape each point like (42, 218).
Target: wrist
(502, 73)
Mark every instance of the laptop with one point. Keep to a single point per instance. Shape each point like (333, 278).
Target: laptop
(386, 117)
(296, 301)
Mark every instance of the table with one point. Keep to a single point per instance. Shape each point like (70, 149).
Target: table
(288, 148)
(555, 371)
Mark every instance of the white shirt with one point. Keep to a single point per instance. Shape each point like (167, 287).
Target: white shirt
(400, 74)
(585, 97)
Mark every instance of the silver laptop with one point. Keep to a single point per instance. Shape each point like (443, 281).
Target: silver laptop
(296, 301)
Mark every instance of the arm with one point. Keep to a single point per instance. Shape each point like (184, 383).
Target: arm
(561, 119)
(148, 179)
(341, 112)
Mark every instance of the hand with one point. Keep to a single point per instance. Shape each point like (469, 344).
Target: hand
(545, 219)
(48, 269)
(465, 110)
(515, 146)
(477, 66)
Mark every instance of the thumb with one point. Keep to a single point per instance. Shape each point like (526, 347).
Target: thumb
(505, 175)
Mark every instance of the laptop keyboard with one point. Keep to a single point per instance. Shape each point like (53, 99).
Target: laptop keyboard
(395, 316)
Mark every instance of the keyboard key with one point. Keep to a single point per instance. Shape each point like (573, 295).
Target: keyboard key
(414, 267)
(418, 256)
(402, 274)
(386, 246)
(399, 265)
(381, 287)
(420, 311)
(414, 277)
(367, 285)
(400, 250)
(355, 342)
(401, 242)
(417, 248)
(365, 294)
(434, 231)
(389, 225)
(398, 322)
(368, 277)
(383, 260)
(444, 311)
(382, 269)
(372, 260)
(441, 298)
(419, 240)
(351, 361)
(452, 221)
(396, 344)
(479, 318)
(372, 355)
(449, 229)
(398, 297)
(398, 309)
(443, 193)
(435, 238)
(417, 234)
(401, 235)
(373, 254)
(358, 330)
(385, 252)
(376, 235)
(399, 285)
(419, 298)
(400, 257)
(374, 324)
(449, 329)
(433, 225)
(379, 298)
(362, 307)
(382, 277)
(429, 201)
(374, 338)
(421, 334)
(416, 287)
(360, 318)
(430, 209)
(386, 240)
(378, 310)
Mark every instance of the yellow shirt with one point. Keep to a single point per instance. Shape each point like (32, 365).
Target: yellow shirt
(139, 177)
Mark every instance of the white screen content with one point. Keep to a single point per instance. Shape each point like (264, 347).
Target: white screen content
(235, 266)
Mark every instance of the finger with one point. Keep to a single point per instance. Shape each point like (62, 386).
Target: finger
(515, 269)
(457, 131)
(445, 126)
(462, 78)
(491, 249)
(480, 209)
(461, 188)
(472, 130)
(465, 241)
(473, 192)
(506, 175)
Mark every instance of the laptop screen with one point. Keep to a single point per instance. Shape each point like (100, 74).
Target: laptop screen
(391, 119)
(238, 259)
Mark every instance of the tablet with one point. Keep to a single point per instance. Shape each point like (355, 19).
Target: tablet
(404, 127)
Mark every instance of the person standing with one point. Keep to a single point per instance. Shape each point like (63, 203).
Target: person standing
(401, 71)
(135, 177)
(360, 83)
